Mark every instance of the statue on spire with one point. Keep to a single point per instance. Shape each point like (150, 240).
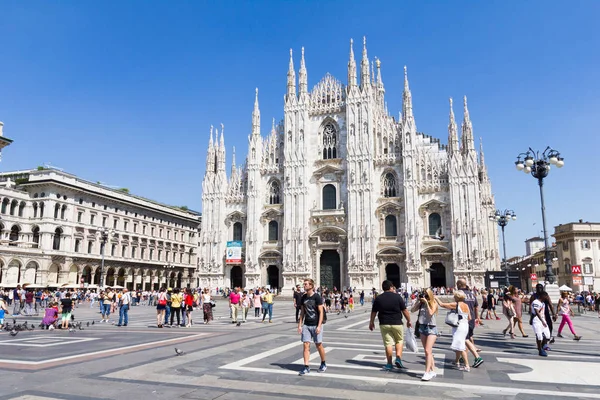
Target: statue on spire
(364, 66)
(351, 67)
(452, 132)
(256, 116)
(291, 78)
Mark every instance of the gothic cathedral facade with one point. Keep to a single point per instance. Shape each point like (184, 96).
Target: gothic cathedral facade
(342, 192)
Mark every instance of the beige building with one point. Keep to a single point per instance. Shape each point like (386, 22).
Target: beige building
(51, 226)
(578, 243)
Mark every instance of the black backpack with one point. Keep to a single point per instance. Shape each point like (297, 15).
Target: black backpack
(324, 315)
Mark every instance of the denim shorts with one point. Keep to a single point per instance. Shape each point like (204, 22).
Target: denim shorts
(428, 330)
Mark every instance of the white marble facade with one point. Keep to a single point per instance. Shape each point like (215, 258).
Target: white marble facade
(344, 193)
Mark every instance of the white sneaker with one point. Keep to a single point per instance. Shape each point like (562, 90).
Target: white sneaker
(51, 327)
(426, 376)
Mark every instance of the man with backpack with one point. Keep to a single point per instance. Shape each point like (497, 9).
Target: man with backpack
(310, 325)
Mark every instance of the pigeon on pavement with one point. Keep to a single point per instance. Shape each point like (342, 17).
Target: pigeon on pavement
(179, 352)
(13, 332)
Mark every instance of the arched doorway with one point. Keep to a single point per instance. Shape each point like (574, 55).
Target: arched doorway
(179, 279)
(121, 277)
(53, 275)
(110, 277)
(13, 275)
(172, 280)
(86, 275)
(437, 275)
(330, 269)
(392, 273)
(273, 277)
(30, 272)
(236, 276)
(97, 276)
(72, 275)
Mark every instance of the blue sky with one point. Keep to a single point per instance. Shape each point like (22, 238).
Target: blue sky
(125, 92)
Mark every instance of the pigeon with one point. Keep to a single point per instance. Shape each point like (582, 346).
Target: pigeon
(93, 322)
(238, 324)
(71, 330)
(14, 321)
(345, 316)
(13, 332)
(32, 326)
(72, 317)
(179, 352)
(88, 324)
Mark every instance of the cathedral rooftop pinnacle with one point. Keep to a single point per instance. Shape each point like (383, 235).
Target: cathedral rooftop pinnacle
(452, 132)
(291, 77)
(351, 66)
(302, 75)
(364, 66)
(256, 116)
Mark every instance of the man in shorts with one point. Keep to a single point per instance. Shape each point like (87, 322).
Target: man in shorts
(390, 306)
(67, 307)
(310, 325)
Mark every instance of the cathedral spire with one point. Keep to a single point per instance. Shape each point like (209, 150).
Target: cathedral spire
(407, 112)
(351, 67)
(364, 66)
(210, 155)
(452, 133)
(379, 80)
(256, 117)
(221, 150)
(222, 141)
(291, 78)
(302, 76)
(482, 166)
(468, 143)
(233, 166)
(273, 126)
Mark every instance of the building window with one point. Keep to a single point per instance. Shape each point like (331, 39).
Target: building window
(160, 233)
(391, 227)
(35, 211)
(56, 211)
(329, 197)
(588, 269)
(63, 211)
(143, 229)
(123, 251)
(237, 231)
(41, 210)
(329, 142)
(21, 208)
(4, 205)
(585, 244)
(159, 255)
(115, 222)
(125, 225)
(389, 185)
(14, 235)
(77, 245)
(90, 247)
(565, 245)
(113, 250)
(142, 253)
(135, 228)
(273, 231)
(151, 254)
(274, 193)
(79, 216)
(133, 252)
(435, 224)
(152, 231)
(92, 218)
(104, 221)
(36, 237)
(57, 236)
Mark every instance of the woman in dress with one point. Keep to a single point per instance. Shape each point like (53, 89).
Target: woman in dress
(518, 307)
(459, 333)
(564, 309)
(427, 308)
(207, 306)
(188, 302)
(509, 312)
(484, 305)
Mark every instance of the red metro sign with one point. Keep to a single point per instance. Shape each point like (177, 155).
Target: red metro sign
(575, 269)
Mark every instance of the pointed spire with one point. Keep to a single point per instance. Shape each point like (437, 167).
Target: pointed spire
(210, 141)
(291, 78)
(256, 116)
(468, 143)
(351, 67)
(452, 132)
(379, 79)
(482, 167)
(372, 73)
(210, 155)
(302, 76)
(233, 166)
(222, 141)
(273, 126)
(364, 66)
(407, 113)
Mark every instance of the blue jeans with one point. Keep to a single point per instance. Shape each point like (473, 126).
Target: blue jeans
(105, 309)
(167, 314)
(123, 314)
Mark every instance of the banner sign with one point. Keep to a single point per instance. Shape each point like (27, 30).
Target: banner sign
(576, 280)
(588, 280)
(534, 277)
(234, 252)
(575, 269)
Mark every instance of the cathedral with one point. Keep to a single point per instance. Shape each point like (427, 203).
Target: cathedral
(344, 193)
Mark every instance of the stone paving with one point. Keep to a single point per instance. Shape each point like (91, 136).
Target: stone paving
(261, 361)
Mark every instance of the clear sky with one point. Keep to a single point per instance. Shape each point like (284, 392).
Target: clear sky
(125, 92)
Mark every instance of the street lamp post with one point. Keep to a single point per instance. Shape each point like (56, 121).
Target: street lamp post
(105, 234)
(503, 218)
(538, 165)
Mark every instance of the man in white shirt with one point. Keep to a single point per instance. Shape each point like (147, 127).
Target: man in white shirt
(124, 303)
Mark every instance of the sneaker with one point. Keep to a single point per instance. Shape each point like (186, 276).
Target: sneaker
(478, 362)
(546, 348)
(576, 338)
(388, 367)
(465, 368)
(498, 318)
(323, 367)
(51, 327)
(551, 340)
(398, 363)
(559, 336)
(543, 353)
(305, 370)
(427, 376)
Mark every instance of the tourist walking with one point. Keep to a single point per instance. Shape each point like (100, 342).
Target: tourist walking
(66, 306)
(245, 305)
(257, 299)
(509, 312)
(234, 304)
(471, 302)
(310, 325)
(548, 309)
(176, 302)
(517, 301)
(426, 329)
(268, 305)
(459, 332)
(539, 323)
(207, 307)
(161, 306)
(297, 301)
(188, 302)
(564, 309)
(389, 306)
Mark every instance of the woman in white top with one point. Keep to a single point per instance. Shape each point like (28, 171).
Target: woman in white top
(539, 324)
(427, 331)
(564, 309)
(460, 332)
(207, 305)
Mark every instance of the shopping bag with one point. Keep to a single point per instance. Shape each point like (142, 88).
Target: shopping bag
(410, 341)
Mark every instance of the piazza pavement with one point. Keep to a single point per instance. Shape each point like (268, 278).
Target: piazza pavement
(261, 361)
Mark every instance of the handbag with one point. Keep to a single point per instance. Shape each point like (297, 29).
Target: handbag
(212, 304)
(418, 324)
(452, 317)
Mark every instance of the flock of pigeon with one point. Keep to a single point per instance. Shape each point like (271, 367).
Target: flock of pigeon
(14, 328)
